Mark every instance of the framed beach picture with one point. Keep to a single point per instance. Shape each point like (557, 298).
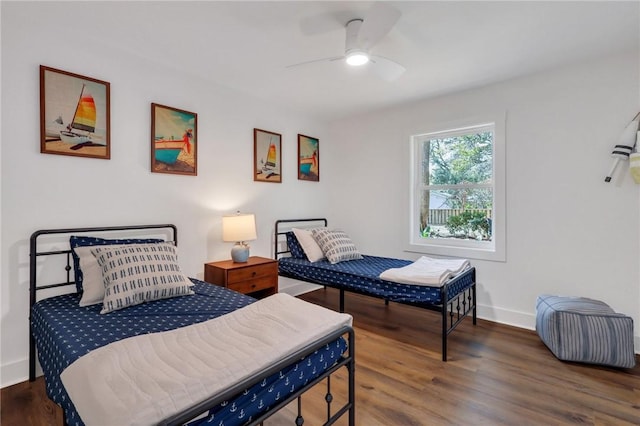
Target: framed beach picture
(267, 156)
(74, 114)
(174, 146)
(308, 158)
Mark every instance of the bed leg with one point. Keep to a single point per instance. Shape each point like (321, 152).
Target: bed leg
(352, 379)
(299, 418)
(341, 300)
(32, 356)
(473, 293)
(445, 307)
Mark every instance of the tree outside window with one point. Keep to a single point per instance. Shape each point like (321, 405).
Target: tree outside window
(456, 180)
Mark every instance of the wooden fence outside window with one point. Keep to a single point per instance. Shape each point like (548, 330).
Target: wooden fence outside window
(440, 216)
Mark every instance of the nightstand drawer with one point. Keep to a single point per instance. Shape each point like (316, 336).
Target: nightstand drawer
(257, 277)
(252, 274)
(253, 285)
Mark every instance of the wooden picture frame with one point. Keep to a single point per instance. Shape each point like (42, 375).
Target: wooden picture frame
(308, 158)
(267, 156)
(74, 114)
(174, 145)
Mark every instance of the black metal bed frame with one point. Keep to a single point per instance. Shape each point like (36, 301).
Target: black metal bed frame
(347, 360)
(453, 310)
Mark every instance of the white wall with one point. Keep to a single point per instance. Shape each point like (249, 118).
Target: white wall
(52, 191)
(568, 232)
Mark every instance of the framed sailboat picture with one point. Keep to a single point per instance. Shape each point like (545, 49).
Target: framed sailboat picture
(308, 158)
(174, 134)
(74, 114)
(267, 156)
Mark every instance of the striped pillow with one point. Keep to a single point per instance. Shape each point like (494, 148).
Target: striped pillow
(83, 241)
(336, 245)
(138, 273)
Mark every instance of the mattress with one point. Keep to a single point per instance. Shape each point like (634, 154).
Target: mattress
(64, 331)
(362, 276)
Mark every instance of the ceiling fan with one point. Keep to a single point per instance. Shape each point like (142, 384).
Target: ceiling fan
(362, 34)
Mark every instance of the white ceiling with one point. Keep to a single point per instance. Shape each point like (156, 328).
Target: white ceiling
(445, 46)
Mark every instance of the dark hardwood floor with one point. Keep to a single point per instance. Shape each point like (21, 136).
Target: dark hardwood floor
(27, 404)
(496, 375)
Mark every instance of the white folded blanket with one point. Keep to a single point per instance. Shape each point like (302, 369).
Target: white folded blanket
(144, 379)
(426, 271)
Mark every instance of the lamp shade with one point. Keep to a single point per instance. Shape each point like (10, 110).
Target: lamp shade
(240, 227)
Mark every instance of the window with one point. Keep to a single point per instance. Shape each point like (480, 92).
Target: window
(457, 200)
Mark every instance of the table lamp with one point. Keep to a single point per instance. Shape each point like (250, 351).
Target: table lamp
(239, 228)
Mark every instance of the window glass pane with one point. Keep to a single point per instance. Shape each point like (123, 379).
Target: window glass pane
(459, 159)
(457, 203)
(457, 213)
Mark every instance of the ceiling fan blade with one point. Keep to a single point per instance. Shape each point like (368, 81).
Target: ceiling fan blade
(376, 24)
(333, 58)
(385, 68)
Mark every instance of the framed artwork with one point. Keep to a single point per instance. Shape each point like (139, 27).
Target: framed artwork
(308, 158)
(174, 135)
(267, 156)
(74, 114)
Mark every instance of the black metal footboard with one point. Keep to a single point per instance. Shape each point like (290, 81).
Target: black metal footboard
(347, 361)
(457, 305)
(458, 296)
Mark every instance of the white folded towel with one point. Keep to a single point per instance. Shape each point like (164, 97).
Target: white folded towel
(426, 271)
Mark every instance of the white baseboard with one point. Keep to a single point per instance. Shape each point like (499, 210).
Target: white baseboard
(522, 320)
(507, 317)
(16, 372)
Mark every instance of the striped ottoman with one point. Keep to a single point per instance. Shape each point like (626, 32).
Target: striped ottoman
(585, 330)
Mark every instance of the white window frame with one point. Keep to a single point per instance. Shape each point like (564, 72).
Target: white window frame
(493, 250)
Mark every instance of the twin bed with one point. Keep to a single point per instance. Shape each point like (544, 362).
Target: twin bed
(455, 299)
(205, 372)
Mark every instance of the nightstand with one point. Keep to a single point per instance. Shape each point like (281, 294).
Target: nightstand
(257, 277)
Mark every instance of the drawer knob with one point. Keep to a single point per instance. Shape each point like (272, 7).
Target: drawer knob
(253, 274)
(253, 286)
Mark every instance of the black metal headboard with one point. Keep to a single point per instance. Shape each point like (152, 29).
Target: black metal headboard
(34, 253)
(284, 225)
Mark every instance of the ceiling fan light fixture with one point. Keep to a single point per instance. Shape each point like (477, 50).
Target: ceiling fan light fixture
(356, 58)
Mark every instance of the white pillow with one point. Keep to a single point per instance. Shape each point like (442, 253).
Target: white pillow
(309, 245)
(138, 273)
(92, 285)
(336, 245)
